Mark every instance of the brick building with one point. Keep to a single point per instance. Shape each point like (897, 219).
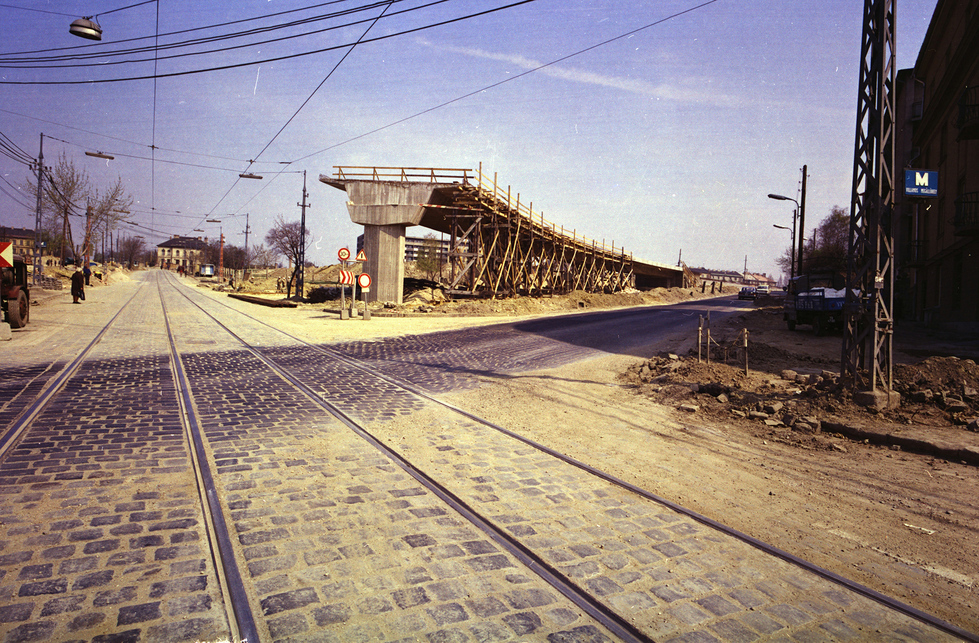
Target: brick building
(936, 233)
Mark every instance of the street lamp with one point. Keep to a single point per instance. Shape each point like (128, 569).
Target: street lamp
(779, 197)
(86, 28)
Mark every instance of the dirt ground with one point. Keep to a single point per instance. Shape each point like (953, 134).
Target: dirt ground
(760, 452)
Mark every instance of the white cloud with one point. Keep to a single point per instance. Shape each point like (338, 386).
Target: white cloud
(574, 75)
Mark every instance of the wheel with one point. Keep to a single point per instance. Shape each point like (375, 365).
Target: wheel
(18, 312)
(791, 324)
(817, 327)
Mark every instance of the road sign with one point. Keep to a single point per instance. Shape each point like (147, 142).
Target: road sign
(6, 255)
(364, 281)
(343, 254)
(920, 183)
(361, 256)
(346, 277)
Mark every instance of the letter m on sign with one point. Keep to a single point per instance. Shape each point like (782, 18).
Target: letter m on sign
(921, 179)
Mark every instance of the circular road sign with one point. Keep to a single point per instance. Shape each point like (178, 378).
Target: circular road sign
(364, 280)
(343, 254)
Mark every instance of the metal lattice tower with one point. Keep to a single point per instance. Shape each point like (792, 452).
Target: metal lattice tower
(869, 326)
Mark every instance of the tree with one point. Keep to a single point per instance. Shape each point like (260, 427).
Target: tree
(130, 249)
(68, 192)
(827, 250)
(288, 239)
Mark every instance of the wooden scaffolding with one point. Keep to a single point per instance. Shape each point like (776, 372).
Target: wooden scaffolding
(498, 246)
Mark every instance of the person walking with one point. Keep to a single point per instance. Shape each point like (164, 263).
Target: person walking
(77, 286)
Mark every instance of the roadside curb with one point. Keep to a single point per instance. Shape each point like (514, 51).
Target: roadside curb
(945, 449)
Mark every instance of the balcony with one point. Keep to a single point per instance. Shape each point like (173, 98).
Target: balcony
(914, 253)
(968, 122)
(967, 215)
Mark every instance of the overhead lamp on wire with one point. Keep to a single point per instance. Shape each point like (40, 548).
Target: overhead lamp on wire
(100, 155)
(86, 28)
(249, 175)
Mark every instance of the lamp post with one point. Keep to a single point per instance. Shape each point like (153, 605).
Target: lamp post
(779, 197)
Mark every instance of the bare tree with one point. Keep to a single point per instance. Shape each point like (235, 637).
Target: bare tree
(130, 249)
(68, 192)
(288, 239)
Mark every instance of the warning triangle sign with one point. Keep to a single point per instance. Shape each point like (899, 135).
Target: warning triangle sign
(361, 256)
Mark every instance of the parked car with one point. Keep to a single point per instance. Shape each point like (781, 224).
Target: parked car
(762, 290)
(748, 292)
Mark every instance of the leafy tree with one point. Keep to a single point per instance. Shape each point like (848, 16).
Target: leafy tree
(827, 250)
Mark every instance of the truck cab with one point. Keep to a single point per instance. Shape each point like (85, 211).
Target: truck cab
(15, 293)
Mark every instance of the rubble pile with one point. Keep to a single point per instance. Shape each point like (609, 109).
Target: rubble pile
(940, 391)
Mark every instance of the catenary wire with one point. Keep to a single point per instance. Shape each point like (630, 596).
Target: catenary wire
(271, 59)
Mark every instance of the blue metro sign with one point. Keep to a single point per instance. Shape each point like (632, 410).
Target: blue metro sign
(920, 183)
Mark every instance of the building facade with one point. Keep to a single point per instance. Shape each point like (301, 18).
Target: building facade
(182, 252)
(22, 240)
(936, 232)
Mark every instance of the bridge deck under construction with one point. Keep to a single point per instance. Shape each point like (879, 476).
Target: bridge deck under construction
(499, 246)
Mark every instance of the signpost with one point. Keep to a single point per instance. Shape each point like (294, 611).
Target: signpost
(343, 254)
(364, 281)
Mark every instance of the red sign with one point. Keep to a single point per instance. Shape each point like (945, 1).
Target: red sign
(6, 255)
(343, 254)
(346, 277)
(364, 281)
(361, 256)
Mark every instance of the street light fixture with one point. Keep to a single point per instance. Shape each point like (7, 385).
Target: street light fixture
(779, 197)
(249, 175)
(86, 28)
(100, 155)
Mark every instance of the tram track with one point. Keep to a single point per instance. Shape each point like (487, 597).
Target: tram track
(566, 585)
(227, 556)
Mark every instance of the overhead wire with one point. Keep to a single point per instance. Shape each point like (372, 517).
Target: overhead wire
(102, 52)
(175, 33)
(273, 58)
(507, 80)
(304, 103)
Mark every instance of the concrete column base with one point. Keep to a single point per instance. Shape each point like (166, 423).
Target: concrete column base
(384, 246)
(880, 399)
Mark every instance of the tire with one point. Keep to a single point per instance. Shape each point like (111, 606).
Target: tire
(18, 312)
(817, 327)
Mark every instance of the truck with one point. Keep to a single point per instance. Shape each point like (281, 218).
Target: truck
(15, 293)
(816, 300)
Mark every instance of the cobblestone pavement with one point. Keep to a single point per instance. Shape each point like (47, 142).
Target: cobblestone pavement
(102, 532)
(103, 538)
(673, 577)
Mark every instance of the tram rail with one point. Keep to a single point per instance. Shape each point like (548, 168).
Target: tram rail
(227, 563)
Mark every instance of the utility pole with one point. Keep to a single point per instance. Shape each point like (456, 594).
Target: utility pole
(247, 229)
(301, 277)
(802, 217)
(38, 268)
(868, 332)
(221, 256)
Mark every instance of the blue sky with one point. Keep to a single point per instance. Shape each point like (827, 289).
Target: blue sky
(669, 138)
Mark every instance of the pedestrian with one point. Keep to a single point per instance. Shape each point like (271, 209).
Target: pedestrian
(88, 274)
(77, 286)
